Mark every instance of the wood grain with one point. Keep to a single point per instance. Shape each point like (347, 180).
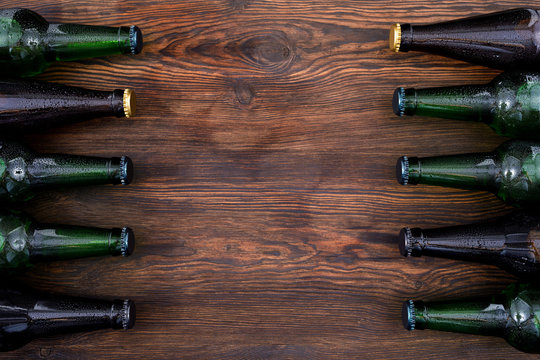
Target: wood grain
(265, 203)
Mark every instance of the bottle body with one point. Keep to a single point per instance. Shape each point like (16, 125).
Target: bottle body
(510, 104)
(505, 40)
(511, 242)
(35, 105)
(511, 315)
(22, 171)
(24, 242)
(24, 317)
(29, 44)
(511, 172)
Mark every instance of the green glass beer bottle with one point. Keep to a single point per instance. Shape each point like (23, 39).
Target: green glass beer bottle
(37, 105)
(29, 44)
(24, 242)
(505, 40)
(22, 171)
(512, 315)
(27, 315)
(511, 172)
(510, 104)
(511, 242)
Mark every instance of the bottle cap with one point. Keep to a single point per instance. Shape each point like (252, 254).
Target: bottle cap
(404, 242)
(135, 40)
(129, 103)
(398, 101)
(123, 314)
(402, 170)
(127, 239)
(126, 170)
(128, 314)
(408, 315)
(395, 37)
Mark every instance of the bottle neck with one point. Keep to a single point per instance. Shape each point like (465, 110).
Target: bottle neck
(60, 242)
(468, 171)
(68, 42)
(446, 36)
(474, 317)
(472, 242)
(62, 170)
(472, 103)
(63, 315)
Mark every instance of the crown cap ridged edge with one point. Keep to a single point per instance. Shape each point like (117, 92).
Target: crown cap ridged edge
(395, 37)
(135, 40)
(407, 242)
(129, 103)
(126, 314)
(409, 315)
(124, 240)
(402, 170)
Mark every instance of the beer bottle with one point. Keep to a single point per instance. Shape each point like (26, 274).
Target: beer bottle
(510, 104)
(23, 241)
(29, 44)
(511, 315)
(22, 171)
(36, 105)
(26, 316)
(504, 40)
(510, 242)
(511, 172)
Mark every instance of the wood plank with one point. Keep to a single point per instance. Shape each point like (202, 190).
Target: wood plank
(265, 204)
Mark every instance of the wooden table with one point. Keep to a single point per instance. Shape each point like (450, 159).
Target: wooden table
(265, 203)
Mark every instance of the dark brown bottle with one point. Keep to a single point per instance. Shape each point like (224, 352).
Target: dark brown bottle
(505, 40)
(36, 105)
(511, 242)
(25, 316)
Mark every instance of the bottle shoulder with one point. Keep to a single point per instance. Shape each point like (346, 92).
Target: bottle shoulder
(27, 19)
(519, 174)
(523, 329)
(516, 79)
(15, 159)
(518, 148)
(15, 242)
(515, 104)
(14, 319)
(22, 48)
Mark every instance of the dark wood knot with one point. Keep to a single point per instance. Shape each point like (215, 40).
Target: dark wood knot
(243, 92)
(272, 52)
(239, 4)
(45, 352)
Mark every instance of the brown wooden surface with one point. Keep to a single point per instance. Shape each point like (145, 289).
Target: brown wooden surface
(265, 203)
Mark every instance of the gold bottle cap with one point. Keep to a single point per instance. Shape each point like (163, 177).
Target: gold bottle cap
(395, 37)
(129, 102)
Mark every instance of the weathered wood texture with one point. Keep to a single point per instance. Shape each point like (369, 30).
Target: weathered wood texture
(265, 203)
